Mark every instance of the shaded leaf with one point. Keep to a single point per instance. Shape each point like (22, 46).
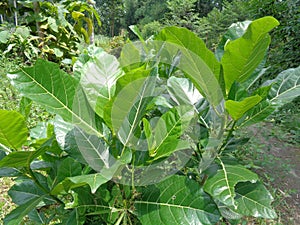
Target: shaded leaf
(221, 185)
(254, 200)
(176, 200)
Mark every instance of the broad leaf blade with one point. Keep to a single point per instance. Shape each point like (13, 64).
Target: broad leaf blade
(46, 84)
(221, 185)
(237, 109)
(254, 200)
(22, 193)
(286, 87)
(176, 200)
(170, 127)
(196, 61)
(13, 130)
(182, 91)
(98, 80)
(247, 52)
(190, 41)
(16, 216)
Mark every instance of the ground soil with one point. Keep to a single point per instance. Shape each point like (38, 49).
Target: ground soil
(282, 169)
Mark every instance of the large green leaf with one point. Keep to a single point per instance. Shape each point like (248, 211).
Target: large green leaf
(196, 61)
(21, 193)
(254, 200)
(68, 168)
(235, 31)
(169, 127)
(98, 79)
(46, 84)
(13, 130)
(129, 107)
(57, 91)
(93, 180)
(221, 185)
(237, 109)
(190, 41)
(177, 200)
(285, 87)
(24, 158)
(16, 216)
(257, 114)
(243, 55)
(182, 91)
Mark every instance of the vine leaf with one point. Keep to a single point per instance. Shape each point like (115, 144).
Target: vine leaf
(221, 185)
(176, 200)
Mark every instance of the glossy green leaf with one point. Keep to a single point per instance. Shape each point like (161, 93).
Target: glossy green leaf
(57, 91)
(254, 200)
(221, 185)
(16, 216)
(46, 84)
(237, 109)
(93, 180)
(243, 55)
(190, 41)
(98, 79)
(235, 31)
(21, 193)
(68, 168)
(285, 87)
(13, 130)
(129, 107)
(21, 159)
(196, 61)
(169, 127)
(182, 91)
(257, 114)
(4, 36)
(176, 200)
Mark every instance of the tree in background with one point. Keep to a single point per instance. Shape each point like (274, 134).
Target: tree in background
(112, 15)
(284, 49)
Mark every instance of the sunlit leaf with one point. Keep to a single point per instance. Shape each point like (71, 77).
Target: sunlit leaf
(243, 55)
(13, 130)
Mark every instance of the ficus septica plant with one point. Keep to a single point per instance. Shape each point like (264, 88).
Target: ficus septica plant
(148, 138)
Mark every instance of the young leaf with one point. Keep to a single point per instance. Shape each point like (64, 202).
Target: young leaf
(243, 55)
(182, 91)
(221, 185)
(235, 31)
(190, 41)
(196, 61)
(169, 128)
(176, 200)
(129, 107)
(237, 109)
(98, 79)
(254, 200)
(13, 130)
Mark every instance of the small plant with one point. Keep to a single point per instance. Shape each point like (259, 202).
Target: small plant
(147, 137)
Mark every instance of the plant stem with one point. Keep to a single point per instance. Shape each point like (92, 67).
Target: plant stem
(228, 136)
(36, 181)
